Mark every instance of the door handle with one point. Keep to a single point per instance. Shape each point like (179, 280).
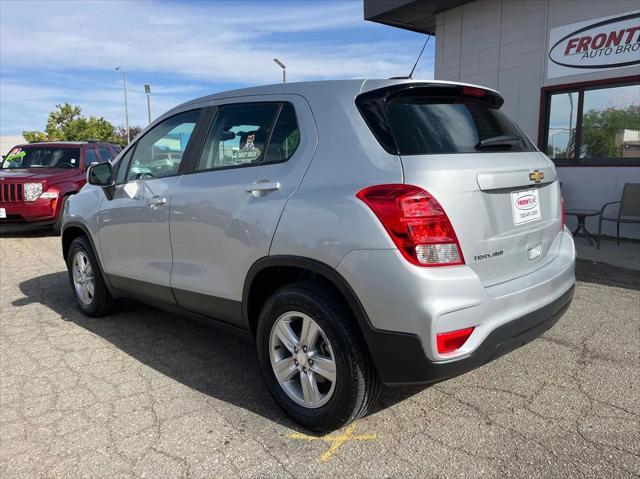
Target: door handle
(261, 188)
(157, 202)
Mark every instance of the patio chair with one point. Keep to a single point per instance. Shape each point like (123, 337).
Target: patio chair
(629, 206)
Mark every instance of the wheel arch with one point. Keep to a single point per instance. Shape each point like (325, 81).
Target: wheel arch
(70, 232)
(272, 272)
(73, 230)
(390, 351)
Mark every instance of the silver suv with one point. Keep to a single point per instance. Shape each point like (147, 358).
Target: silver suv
(361, 232)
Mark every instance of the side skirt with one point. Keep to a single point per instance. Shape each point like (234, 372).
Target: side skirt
(221, 313)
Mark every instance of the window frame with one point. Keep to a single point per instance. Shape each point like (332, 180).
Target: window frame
(580, 88)
(186, 157)
(208, 125)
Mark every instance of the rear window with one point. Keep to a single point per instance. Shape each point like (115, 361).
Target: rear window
(439, 118)
(422, 125)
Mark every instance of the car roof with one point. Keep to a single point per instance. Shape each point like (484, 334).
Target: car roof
(66, 143)
(337, 86)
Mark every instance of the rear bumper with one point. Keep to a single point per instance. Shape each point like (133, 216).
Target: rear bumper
(400, 359)
(407, 306)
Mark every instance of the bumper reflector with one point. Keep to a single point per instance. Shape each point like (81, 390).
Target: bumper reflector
(453, 340)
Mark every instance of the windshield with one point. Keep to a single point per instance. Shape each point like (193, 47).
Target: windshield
(42, 157)
(423, 125)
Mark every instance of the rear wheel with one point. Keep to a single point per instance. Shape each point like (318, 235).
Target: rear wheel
(89, 289)
(313, 359)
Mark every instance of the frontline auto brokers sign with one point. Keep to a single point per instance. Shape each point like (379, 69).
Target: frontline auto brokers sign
(594, 45)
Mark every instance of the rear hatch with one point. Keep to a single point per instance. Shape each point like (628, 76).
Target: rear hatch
(500, 194)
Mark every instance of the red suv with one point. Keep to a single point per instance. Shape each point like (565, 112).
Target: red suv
(37, 178)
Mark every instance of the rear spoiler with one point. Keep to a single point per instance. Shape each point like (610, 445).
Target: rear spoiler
(372, 104)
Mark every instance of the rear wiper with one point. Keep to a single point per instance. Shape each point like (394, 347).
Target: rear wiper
(502, 140)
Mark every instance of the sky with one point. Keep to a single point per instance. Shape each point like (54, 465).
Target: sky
(53, 52)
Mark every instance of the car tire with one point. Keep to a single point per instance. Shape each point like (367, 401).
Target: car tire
(93, 301)
(356, 385)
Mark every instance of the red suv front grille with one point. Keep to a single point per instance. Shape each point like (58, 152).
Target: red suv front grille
(11, 192)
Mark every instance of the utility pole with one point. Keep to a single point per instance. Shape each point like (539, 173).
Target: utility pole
(147, 90)
(126, 108)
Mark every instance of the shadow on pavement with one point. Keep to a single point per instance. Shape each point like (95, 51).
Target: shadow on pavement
(606, 274)
(204, 358)
(26, 231)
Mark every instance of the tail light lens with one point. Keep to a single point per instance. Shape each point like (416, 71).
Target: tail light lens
(416, 222)
(453, 340)
(475, 92)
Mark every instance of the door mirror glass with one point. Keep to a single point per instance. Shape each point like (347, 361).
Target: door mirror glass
(100, 174)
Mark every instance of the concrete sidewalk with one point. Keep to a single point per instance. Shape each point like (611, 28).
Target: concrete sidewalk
(625, 255)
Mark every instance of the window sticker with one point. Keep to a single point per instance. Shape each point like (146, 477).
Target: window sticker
(73, 161)
(16, 154)
(249, 151)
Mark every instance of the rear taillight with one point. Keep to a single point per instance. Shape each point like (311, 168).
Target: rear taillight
(562, 213)
(453, 340)
(416, 223)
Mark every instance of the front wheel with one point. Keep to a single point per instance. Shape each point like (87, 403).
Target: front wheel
(313, 359)
(89, 289)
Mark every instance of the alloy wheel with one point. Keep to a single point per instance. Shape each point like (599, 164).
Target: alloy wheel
(302, 359)
(83, 280)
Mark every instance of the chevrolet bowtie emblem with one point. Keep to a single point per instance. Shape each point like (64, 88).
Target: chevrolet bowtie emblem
(536, 176)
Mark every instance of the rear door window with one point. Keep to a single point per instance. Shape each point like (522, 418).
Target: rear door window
(422, 125)
(285, 137)
(239, 136)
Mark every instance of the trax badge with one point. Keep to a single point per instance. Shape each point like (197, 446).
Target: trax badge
(536, 176)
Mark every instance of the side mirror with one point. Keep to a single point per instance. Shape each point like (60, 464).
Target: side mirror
(100, 174)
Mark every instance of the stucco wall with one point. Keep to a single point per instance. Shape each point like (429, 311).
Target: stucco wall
(502, 44)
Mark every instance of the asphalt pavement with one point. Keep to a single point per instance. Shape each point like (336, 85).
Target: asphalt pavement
(144, 393)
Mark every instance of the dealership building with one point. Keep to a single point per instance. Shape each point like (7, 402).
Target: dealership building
(569, 71)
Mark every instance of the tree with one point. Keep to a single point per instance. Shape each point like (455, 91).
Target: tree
(121, 134)
(34, 136)
(599, 129)
(66, 123)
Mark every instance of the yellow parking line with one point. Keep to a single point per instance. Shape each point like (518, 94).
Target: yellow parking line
(336, 440)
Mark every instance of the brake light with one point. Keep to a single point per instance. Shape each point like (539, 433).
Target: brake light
(475, 92)
(416, 222)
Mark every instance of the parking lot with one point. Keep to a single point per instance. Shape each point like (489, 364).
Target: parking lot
(144, 393)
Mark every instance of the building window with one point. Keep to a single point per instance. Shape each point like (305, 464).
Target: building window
(563, 120)
(593, 124)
